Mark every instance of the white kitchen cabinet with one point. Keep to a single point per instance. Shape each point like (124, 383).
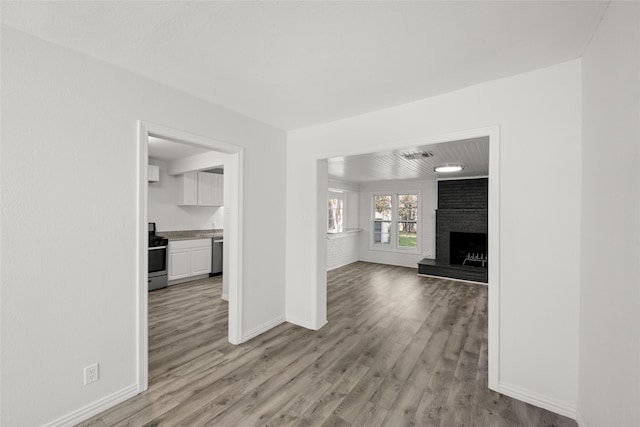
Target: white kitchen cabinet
(206, 189)
(218, 186)
(179, 264)
(201, 260)
(188, 189)
(189, 258)
(200, 189)
(153, 173)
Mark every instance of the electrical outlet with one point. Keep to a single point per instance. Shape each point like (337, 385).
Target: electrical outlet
(91, 374)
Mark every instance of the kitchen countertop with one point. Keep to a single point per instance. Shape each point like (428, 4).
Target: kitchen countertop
(192, 234)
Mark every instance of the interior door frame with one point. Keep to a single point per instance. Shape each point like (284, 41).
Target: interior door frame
(321, 181)
(233, 224)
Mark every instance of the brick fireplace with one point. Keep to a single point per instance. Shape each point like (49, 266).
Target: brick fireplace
(462, 213)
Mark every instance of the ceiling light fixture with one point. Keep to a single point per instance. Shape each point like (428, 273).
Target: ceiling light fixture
(448, 168)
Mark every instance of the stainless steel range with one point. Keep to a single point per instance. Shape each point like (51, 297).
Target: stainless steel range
(157, 259)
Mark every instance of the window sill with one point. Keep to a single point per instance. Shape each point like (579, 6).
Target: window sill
(408, 251)
(346, 233)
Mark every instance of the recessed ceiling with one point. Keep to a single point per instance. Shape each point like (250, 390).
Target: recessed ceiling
(168, 150)
(296, 64)
(389, 165)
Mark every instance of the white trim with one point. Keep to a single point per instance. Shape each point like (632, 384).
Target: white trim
(187, 279)
(304, 324)
(263, 328)
(394, 221)
(493, 243)
(319, 245)
(233, 197)
(581, 422)
(342, 265)
(539, 400)
(234, 217)
(349, 232)
(225, 297)
(142, 330)
(95, 408)
(493, 132)
(454, 279)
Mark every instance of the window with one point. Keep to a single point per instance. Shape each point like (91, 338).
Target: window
(407, 220)
(335, 214)
(382, 220)
(395, 221)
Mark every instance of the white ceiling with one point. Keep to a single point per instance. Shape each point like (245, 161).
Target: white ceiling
(389, 165)
(295, 64)
(169, 150)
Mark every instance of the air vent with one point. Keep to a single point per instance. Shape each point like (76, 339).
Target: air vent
(417, 155)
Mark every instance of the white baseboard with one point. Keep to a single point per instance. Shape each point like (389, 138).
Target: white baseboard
(262, 328)
(539, 400)
(187, 279)
(304, 323)
(342, 265)
(95, 408)
(225, 297)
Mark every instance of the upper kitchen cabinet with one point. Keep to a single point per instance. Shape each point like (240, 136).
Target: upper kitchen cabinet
(218, 186)
(200, 189)
(153, 173)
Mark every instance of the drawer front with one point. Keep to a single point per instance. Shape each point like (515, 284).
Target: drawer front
(189, 244)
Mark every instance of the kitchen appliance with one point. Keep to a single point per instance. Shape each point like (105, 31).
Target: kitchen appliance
(157, 259)
(216, 256)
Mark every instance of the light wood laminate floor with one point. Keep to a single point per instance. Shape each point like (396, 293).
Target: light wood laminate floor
(398, 350)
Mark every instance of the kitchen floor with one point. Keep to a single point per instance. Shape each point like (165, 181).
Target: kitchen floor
(399, 349)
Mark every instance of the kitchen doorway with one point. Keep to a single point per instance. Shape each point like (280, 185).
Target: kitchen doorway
(233, 196)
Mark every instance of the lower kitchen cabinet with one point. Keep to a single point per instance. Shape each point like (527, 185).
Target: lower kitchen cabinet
(201, 260)
(189, 258)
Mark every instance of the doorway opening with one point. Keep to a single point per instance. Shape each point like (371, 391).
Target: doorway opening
(419, 150)
(203, 156)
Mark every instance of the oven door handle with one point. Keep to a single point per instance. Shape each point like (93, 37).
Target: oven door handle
(157, 247)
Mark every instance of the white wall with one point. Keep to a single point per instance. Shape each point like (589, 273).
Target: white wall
(540, 129)
(342, 249)
(427, 205)
(609, 391)
(164, 210)
(69, 196)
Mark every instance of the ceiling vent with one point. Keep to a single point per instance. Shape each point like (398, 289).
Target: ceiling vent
(418, 155)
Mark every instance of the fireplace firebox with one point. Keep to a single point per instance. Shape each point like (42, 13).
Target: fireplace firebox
(468, 249)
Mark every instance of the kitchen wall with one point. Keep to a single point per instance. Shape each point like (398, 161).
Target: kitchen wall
(609, 391)
(539, 117)
(69, 185)
(429, 202)
(164, 210)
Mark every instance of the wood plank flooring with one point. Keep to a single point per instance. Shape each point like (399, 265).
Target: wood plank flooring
(398, 350)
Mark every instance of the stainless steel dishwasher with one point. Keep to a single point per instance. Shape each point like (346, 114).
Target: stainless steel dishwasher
(216, 256)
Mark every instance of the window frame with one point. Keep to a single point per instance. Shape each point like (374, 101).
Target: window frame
(395, 220)
(340, 196)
